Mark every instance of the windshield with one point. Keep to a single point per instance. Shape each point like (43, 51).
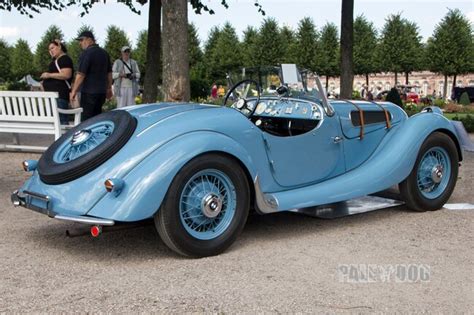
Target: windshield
(299, 83)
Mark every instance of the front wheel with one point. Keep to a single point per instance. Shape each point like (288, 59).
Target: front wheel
(432, 180)
(206, 207)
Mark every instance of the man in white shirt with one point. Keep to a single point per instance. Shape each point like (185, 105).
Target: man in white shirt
(125, 73)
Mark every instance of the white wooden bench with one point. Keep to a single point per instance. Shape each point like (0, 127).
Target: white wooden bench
(32, 113)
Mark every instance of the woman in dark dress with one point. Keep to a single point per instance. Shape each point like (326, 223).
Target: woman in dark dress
(59, 75)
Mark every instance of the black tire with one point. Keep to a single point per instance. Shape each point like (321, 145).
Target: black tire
(169, 222)
(409, 188)
(54, 173)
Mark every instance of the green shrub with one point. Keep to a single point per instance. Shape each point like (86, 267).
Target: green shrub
(356, 95)
(18, 86)
(464, 99)
(411, 109)
(467, 121)
(394, 97)
(439, 102)
(199, 88)
(109, 105)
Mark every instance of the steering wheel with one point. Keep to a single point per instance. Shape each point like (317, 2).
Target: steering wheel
(239, 93)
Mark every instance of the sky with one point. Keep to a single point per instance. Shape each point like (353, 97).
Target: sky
(241, 13)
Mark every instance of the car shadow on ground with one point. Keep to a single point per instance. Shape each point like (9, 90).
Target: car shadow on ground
(143, 242)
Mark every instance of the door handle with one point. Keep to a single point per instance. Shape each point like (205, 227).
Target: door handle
(337, 139)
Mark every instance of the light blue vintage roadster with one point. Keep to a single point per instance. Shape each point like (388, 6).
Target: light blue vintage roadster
(278, 145)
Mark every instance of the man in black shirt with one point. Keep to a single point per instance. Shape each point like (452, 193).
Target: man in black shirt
(93, 78)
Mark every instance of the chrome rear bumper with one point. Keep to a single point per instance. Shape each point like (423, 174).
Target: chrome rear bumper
(42, 204)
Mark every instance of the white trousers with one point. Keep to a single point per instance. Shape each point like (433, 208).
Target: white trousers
(126, 97)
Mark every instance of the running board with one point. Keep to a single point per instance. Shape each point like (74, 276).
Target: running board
(349, 207)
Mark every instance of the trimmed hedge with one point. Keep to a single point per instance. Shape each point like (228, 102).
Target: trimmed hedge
(467, 121)
(464, 99)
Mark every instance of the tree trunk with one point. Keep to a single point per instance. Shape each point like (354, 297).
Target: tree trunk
(327, 83)
(396, 79)
(454, 80)
(153, 65)
(445, 86)
(367, 79)
(176, 86)
(347, 35)
(406, 78)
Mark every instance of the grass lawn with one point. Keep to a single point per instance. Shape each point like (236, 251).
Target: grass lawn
(451, 115)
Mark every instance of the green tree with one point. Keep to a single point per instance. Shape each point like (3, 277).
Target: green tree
(21, 60)
(307, 53)
(139, 53)
(289, 45)
(115, 40)
(365, 43)
(42, 58)
(329, 57)
(5, 63)
(223, 52)
(269, 47)
(400, 49)
(450, 50)
(413, 54)
(199, 84)
(249, 47)
(209, 51)
(195, 52)
(73, 48)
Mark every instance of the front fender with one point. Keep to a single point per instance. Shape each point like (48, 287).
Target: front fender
(146, 185)
(390, 164)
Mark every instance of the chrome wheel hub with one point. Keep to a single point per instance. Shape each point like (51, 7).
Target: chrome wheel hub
(80, 136)
(437, 174)
(211, 205)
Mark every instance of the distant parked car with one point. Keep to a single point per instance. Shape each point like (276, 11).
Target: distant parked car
(409, 93)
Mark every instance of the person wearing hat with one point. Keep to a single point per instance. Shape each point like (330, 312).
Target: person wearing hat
(94, 77)
(125, 73)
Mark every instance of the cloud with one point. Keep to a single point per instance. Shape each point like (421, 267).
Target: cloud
(69, 15)
(6, 31)
(470, 16)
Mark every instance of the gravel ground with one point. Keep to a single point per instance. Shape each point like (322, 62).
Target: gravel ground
(281, 263)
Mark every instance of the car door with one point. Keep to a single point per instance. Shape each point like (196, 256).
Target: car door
(307, 158)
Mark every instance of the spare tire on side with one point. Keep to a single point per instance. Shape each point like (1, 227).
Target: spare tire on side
(85, 147)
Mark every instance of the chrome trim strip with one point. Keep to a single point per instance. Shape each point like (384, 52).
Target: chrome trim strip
(85, 220)
(266, 203)
(20, 199)
(37, 196)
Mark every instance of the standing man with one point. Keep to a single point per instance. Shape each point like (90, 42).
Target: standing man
(125, 73)
(93, 78)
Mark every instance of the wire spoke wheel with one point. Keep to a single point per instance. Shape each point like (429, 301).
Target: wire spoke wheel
(83, 141)
(434, 172)
(433, 178)
(206, 206)
(86, 146)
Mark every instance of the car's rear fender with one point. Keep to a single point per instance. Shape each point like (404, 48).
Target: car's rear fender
(390, 164)
(146, 185)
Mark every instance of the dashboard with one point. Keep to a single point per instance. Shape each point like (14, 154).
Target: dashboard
(288, 108)
(286, 117)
